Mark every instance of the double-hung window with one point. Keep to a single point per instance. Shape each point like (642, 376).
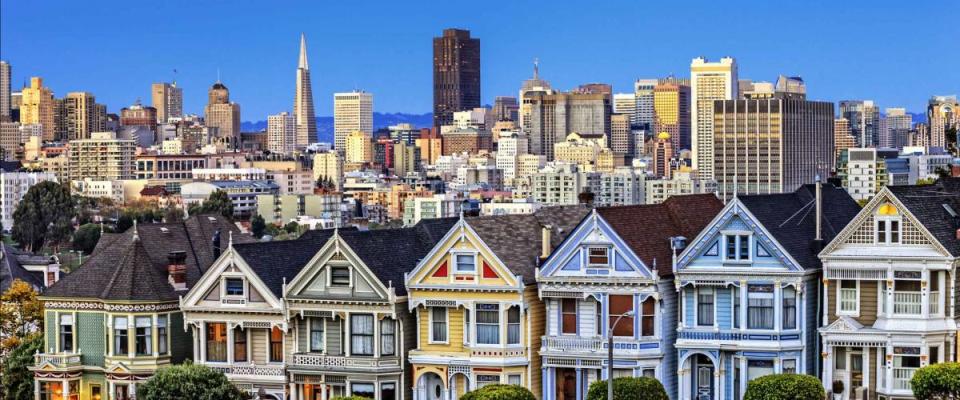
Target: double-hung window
(705, 306)
(888, 230)
(648, 310)
(239, 344)
(620, 306)
(513, 325)
(340, 276)
(488, 324)
(736, 306)
(120, 341)
(316, 335)
(276, 345)
(438, 324)
(234, 286)
(760, 307)
(789, 308)
(737, 247)
(162, 321)
(849, 297)
(568, 316)
(598, 257)
(66, 333)
(144, 341)
(361, 333)
(388, 337)
(466, 263)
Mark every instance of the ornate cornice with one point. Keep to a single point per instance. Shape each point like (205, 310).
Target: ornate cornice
(109, 307)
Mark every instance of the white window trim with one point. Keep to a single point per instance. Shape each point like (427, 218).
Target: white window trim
(737, 234)
(330, 276)
(323, 337)
(797, 303)
(430, 325)
(576, 308)
(839, 310)
(453, 258)
(696, 308)
(887, 218)
(796, 364)
(223, 286)
(501, 328)
(283, 347)
(609, 250)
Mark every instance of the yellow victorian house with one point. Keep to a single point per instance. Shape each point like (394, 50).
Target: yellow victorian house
(478, 314)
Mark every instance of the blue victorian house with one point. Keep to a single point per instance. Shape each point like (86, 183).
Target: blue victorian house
(748, 290)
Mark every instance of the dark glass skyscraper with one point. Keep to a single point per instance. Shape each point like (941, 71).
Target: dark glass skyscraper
(456, 74)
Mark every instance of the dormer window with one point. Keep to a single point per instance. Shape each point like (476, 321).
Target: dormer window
(888, 224)
(598, 256)
(340, 276)
(466, 263)
(233, 287)
(737, 247)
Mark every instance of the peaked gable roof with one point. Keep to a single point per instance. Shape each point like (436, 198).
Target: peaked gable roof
(104, 274)
(516, 239)
(791, 218)
(647, 228)
(929, 205)
(11, 269)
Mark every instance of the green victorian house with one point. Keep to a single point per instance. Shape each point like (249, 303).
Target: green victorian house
(114, 321)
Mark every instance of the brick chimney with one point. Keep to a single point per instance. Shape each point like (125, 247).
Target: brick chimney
(177, 269)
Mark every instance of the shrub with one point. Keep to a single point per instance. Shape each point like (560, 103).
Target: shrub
(627, 388)
(499, 392)
(189, 381)
(354, 397)
(785, 387)
(937, 381)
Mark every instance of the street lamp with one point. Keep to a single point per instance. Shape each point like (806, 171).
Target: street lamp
(610, 352)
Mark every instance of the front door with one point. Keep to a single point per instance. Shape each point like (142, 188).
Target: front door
(703, 378)
(566, 384)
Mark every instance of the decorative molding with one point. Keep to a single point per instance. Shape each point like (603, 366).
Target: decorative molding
(109, 307)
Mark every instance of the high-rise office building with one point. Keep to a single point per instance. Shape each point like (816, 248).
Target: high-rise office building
(621, 137)
(643, 93)
(167, 99)
(842, 139)
(5, 76)
(359, 148)
(303, 113)
(222, 114)
(406, 159)
(281, 133)
(864, 117)
(662, 156)
(352, 111)
(37, 107)
(456, 74)
(506, 108)
(771, 145)
(625, 103)
(548, 117)
(896, 133)
(709, 81)
(79, 118)
(671, 105)
(328, 165)
(943, 114)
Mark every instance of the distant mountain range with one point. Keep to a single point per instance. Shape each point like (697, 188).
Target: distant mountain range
(380, 120)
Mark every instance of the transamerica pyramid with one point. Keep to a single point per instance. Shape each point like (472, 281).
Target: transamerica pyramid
(303, 103)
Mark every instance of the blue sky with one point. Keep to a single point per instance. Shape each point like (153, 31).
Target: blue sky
(896, 53)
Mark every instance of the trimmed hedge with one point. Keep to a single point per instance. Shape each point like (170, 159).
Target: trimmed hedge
(785, 387)
(937, 381)
(628, 388)
(499, 392)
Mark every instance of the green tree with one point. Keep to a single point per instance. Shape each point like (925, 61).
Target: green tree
(257, 226)
(785, 387)
(291, 227)
(219, 202)
(188, 381)
(937, 382)
(86, 237)
(499, 392)
(45, 215)
(172, 214)
(124, 222)
(17, 380)
(629, 388)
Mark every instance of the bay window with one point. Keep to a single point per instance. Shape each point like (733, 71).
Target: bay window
(162, 334)
(217, 341)
(276, 345)
(120, 341)
(239, 344)
(705, 306)
(66, 333)
(144, 340)
(619, 306)
(568, 316)
(388, 391)
(488, 324)
(362, 390)
(388, 337)
(316, 335)
(513, 325)
(361, 334)
(648, 311)
(736, 306)
(758, 368)
(760, 307)
(789, 308)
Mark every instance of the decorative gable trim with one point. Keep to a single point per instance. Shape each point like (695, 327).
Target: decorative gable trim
(843, 324)
(229, 259)
(705, 241)
(335, 249)
(567, 256)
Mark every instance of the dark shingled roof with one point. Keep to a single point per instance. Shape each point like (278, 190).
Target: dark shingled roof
(389, 253)
(929, 205)
(791, 218)
(647, 228)
(11, 270)
(122, 268)
(516, 239)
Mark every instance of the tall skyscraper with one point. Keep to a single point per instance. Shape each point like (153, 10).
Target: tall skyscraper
(549, 116)
(842, 139)
(943, 114)
(671, 105)
(352, 111)
(220, 113)
(79, 119)
(662, 156)
(621, 137)
(456, 74)
(626, 103)
(5, 75)
(643, 93)
(304, 117)
(506, 108)
(864, 117)
(281, 133)
(771, 144)
(167, 98)
(896, 133)
(37, 107)
(709, 81)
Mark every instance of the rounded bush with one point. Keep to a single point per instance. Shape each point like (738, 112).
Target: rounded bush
(189, 381)
(629, 388)
(937, 381)
(354, 397)
(499, 392)
(785, 387)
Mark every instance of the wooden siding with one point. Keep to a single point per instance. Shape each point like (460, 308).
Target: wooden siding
(454, 331)
(536, 320)
(333, 337)
(258, 345)
(668, 317)
(868, 302)
(408, 341)
(812, 295)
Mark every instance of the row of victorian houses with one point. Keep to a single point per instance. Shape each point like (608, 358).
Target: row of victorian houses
(700, 295)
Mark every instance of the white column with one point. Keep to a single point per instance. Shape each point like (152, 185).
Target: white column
(66, 388)
(111, 387)
(925, 293)
(866, 365)
(889, 368)
(889, 292)
(827, 358)
(293, 391)
(777, 306)
(203, 337)
(346, 334)
(826, 301)
(36, 389)
(323, 391)
(229, 343)
(376, 335)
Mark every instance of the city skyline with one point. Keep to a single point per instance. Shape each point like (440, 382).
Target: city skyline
(258, 64)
